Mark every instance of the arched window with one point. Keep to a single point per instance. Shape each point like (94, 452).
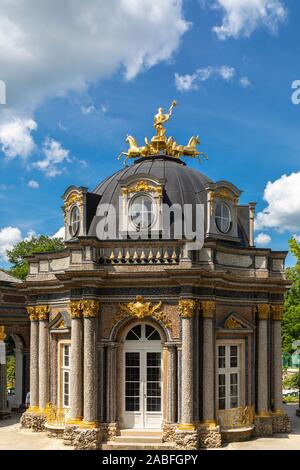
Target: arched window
(74, 221)
(222, 217)
(143, 332)
(142, 212)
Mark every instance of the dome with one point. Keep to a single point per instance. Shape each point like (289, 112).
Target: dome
(182, 185)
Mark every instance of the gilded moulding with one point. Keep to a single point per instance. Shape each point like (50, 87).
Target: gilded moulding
(76, 197)
(263, 311)
(141, 309)
(277, 312)
(32, 313)
(190, 427)
(42, 312)
(208, 308)
(84, 308)
(232, 324)
(2, 333)
(188, 307)
(143, 186)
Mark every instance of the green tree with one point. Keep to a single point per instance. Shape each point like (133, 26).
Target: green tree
(291, 319)
(17, 256)
(10, 371)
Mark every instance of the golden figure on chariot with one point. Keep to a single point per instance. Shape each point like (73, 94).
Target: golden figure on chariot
(160, 144)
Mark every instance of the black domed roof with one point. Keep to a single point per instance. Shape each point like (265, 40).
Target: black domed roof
(182, 185)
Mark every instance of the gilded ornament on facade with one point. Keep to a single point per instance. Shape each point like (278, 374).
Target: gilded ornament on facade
(263, 311)
(232, 324)
(140, 309)
(160, 144)
(84, 308)
(2, 333)
(277, 312)
(32, 314)
(75, 197)
(208, 308)
(42, 312)
(188, 307)
(143, 186)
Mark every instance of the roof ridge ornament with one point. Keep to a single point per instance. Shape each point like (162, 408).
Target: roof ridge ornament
(160, 144)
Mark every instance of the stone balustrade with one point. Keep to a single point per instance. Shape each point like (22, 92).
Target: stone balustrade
(161, 254)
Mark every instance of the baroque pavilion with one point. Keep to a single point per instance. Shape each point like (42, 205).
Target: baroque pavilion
(140, 333)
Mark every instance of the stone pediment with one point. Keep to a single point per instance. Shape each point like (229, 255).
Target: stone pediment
(235, 321)
(61, 321)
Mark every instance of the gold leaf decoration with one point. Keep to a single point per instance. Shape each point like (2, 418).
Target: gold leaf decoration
(140, 309)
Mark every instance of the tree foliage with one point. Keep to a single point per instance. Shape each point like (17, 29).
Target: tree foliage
(10, 371)
(41, 244)
(291, 319)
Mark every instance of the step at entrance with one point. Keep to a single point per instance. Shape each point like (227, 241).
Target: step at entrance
(139, 439)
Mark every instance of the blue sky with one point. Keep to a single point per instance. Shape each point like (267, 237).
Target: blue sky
(66, 117)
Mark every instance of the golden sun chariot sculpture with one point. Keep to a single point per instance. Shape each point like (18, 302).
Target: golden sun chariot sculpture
(160, 144)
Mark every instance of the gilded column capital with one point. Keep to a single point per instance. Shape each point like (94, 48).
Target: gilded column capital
(90, 308)
(32, 313)
(263, 311)
(75, 309)
(42, 312)
(188, 307)
(277, 312)
(208, 308)
(2, 333)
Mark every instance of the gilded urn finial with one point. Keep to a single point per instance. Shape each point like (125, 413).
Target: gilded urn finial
(160, 144)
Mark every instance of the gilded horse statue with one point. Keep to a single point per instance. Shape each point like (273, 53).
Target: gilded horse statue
(134, 150)
(189, 150)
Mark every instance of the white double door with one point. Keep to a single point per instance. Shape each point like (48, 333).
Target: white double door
(142, 385)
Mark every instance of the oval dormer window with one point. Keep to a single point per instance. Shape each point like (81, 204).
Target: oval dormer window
(142, 213)
(222, 217)
(74, 221)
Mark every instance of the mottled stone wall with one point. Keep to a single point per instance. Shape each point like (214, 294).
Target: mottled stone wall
(34, 421)
(281, 424)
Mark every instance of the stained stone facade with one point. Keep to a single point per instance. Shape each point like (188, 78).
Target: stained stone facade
(214, 313)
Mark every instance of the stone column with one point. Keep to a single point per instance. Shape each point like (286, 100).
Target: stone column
(263, 311)
(208, 313)
(187, 309)
(277, 313)
(208, 431)
(101, 383)
(76, 364)
(172, 376)
(111, 383)
(3, 392)
(90, 313)
(43, 315)
(34, 359)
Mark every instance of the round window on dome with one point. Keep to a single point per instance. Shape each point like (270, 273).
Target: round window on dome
(142, 212)
(74, 221)
(222, 217)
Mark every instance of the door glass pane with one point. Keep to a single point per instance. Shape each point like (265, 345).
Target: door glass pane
(153, 363)
(222, 359)
(132, 381)
(152, 333)
(135, 333)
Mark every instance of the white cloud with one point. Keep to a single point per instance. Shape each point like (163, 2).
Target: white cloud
(50, 48)
(297, 237)
(54, 154)
(283, 210)
(245, 82)
(189, 82)
(9, 237)
(263, 239)
(33, 184)
(16, 138)
(87, 109)
(242, 17)
(60, 233)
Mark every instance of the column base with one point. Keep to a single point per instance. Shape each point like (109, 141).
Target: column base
(209, 435)
(109, 431)
(169, 432)
(281, 422)
(33, 420)
(186, 440)
(82, 437)
(263, 424)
